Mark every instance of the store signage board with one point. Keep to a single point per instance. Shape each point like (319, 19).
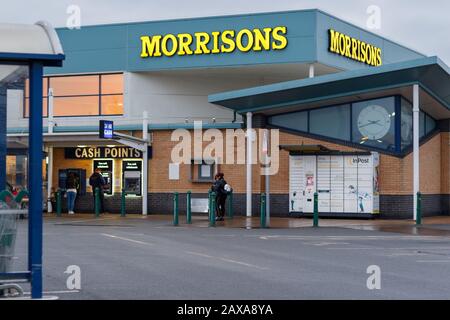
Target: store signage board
(216, 42)
(102, 152)
(354, 49)
(106, 129)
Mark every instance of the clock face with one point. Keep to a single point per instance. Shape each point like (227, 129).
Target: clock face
(374, 122)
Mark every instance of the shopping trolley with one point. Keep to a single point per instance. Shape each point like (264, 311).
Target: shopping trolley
(10, 212)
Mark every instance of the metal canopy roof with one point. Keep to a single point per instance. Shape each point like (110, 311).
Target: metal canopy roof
(31, 42)
(431, 74)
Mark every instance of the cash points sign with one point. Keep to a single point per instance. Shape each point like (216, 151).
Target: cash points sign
(354, 49)
(216, 42)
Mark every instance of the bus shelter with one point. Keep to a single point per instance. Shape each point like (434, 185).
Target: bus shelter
(24, 52)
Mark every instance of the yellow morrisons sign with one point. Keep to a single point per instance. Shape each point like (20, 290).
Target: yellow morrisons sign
(354, 49)
(214, 42)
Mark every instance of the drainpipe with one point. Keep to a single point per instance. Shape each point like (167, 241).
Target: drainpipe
(145, 163)
(51, 124)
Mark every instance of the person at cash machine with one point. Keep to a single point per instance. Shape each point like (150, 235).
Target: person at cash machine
(97, 181)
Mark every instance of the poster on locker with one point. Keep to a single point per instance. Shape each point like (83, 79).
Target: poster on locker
(375, 184)
(351, 184)
(365, 186)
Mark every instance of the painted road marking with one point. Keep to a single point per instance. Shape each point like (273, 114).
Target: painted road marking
(227, 260)
(127, 239)
(80, 221)
(340, 238)
(433, 261)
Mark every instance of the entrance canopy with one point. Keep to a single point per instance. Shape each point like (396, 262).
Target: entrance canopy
(431, 74)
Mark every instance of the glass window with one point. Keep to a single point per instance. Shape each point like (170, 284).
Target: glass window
(406, 124)
(44, 87)
(75, 85)
(295, 121)
(374, 123)
(75, 106)
(430, 124)
(332, 122)
(421, 124)
(112, 105)
(112, 83)
(44, 107)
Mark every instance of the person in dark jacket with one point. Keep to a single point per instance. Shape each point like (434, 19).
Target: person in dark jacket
(221, 195)
(72, 186)
(97, 181)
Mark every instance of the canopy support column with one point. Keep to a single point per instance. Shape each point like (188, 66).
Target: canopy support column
(249, 164)
(416, 147)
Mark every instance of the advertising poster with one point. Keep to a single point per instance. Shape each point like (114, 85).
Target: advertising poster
(350, 184)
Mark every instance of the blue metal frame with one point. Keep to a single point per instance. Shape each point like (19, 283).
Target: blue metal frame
(35, 180)
(36, 63)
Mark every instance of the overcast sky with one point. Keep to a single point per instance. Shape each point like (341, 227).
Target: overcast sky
(423, 25)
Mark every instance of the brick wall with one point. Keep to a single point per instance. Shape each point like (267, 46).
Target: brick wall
(395, 178)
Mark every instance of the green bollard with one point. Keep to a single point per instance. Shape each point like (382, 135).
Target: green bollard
(263, 210)
(188, 208)
(316, 210)
(58, 203)
(175, 208)
(122, 204)
(209, 206)
(419, 209)
(97, 201)
(230, 205)
(212, 216)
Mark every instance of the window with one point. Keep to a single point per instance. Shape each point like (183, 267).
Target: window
(374, 123)
(333, 122)
(295, 120)
(83, 95)
(383, 124)
(202, 170)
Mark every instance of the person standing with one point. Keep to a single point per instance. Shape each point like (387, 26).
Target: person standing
(71, 192)
(221, 195)
(97, 181)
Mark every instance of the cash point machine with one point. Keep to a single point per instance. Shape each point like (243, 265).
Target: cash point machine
(80, 175)
(107, 172)
(132, 177)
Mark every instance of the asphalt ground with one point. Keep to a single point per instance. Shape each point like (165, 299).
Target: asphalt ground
(148, 258)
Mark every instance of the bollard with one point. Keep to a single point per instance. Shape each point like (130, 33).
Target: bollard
(212, 216)
(316, 210)
(419, 209)
(188, 208)
(122, 204)
(97, 201)
(230, 205)
(58, 203)
(175, 208)
(209, 206)
(263, 210)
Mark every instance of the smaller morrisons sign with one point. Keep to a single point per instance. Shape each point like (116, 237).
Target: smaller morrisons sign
(354, 49)
(102, 152)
